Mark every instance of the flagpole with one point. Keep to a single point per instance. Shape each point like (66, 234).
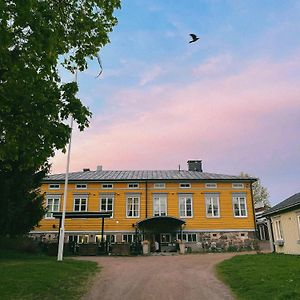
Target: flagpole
(62, 228)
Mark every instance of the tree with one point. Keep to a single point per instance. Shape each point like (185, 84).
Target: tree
(260, 193)
(36, 36)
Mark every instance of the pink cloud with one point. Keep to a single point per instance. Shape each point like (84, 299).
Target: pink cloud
(239, 122)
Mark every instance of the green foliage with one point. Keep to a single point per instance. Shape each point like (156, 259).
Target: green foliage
(34, 102)
(19, 244)
(41, 277)
(262, 276)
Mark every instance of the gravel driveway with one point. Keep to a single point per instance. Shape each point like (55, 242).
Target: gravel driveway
(184, 277)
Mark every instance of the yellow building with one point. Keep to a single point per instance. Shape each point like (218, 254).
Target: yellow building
(284, 225)
(205, 210)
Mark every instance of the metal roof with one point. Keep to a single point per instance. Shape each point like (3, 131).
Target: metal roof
(286, 204)
(143, 175)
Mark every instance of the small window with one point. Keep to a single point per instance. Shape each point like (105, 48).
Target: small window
(187, 237)
(237, 185)
(128, 238)
(185, 185)
(278, 230)
(211, 185)
(54, 186)
(165, 238)
(133, 185)
(107, 185)
(159, 185)
(109, 238)
(81, 186)
(214, 234)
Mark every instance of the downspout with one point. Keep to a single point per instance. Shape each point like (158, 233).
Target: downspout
(146, 191)
(253, 209)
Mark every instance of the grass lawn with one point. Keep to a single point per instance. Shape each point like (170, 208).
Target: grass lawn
(262, 276)
(41, 277)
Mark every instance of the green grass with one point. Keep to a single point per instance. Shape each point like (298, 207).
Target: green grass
(262, 276)
(40, 277)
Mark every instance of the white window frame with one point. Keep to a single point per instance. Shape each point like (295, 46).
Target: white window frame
(80, 186)
(159, 185)
(184, 197)
(278, 230)
(54, 186)
(128, 234)
(185, 185)
(298, 223)
(76, 197)
(105, 236)
(238, 185)
(185, 237)
(107, 186)
(133, 196)
(133, 185)
(106, 197)
(209, 199)
(163, 197)
(239, 197)
(50, 212)
(211, 185)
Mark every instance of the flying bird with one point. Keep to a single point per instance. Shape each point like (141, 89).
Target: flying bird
(194, 38)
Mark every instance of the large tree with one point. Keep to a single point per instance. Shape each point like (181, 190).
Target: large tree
(260, 193)
(36, 37)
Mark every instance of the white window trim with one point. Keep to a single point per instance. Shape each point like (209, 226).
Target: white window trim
(278, 230)
(246, 209)
(132, 235)
(298, 223)
(237, 185)
(218, 203)
(81, 188)
(52, 197)
(185, 187)
(80, 197)
(113, 204)
(211, 185)
(163, 185)
(107, 188)
(192, 211)
(139, 205)
(54, 188)
(186, 234)
(134, 187)
(166, 198)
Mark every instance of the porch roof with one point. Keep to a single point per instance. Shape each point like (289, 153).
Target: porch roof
(160, 223)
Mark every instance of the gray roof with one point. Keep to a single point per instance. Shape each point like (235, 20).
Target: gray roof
(143, 175)
(286, 204)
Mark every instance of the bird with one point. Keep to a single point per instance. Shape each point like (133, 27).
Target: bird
(194, 38)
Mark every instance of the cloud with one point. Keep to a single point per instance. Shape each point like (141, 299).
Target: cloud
(151, 75)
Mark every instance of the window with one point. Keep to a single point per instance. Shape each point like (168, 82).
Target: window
(298, 220)
(239, 205)
(133, 185)
(185, 185)
(165, 238)
(159, 205)
(278, 230)
(54, 186)
(80, 203)
(211, 185)
(52, 205)
(81, 186)
(187, 237)
(107, 203)
(128, 238)
(79, 239)
(110, 238)
(159, 185)
(133, 206)
(237, 185)
(185, 206)
(107, 186)
(212, 205)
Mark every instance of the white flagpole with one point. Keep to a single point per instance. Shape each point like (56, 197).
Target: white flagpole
(62, 228)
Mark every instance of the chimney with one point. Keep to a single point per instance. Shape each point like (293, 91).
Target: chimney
(195, 165)
(86, 170)
(99, 168)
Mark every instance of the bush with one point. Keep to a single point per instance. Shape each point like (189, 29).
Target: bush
(19, 244)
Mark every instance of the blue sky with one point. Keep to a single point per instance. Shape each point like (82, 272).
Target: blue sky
(231, 99)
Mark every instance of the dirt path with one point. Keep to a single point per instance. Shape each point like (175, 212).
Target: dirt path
(185, 277)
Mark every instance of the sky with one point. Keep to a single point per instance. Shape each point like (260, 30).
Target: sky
(231, 99)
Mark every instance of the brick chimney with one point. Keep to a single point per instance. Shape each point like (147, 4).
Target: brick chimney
(195, 165)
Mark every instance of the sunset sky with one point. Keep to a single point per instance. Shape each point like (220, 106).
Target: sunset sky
(232, 99)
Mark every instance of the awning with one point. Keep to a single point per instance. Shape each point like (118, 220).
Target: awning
(83, 215)
(160, 224)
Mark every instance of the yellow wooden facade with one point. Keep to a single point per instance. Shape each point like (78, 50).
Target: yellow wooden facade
(120, 223)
